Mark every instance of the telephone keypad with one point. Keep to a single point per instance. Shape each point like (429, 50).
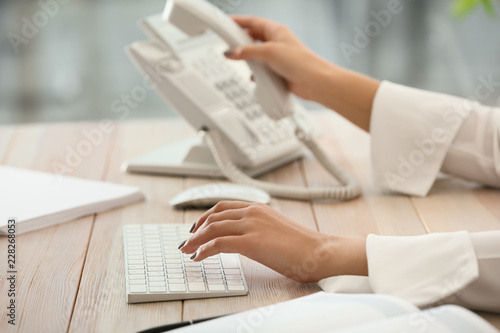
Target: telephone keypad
(213, 67)
(240, 97)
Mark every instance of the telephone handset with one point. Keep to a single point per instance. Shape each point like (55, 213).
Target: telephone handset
(244, 124)
(195, 17)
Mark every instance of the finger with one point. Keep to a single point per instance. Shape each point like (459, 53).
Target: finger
(228, 214)
(229, 244)
(213, 231)
(219, 207)
(263, 51)
(261, 28)
(254, 35)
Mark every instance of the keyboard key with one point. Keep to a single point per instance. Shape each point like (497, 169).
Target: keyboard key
(234, 282)
(137, 288)
(155, 263)
(235, 287)
(157, 289)
(215, 281)
(154, 259)
(192, 264)
(135, 267)
(155, 269)
(214, 276)
(136, 272)
(174, 261)
(175, 276)
(196, 286)
(216, 287)
(172, 256)
(174, 271)
(141, 281)
(231, 271)
(177, 287)
(156, 278)
(193, 269)
(195, 279)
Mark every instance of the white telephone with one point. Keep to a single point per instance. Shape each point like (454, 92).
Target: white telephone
(254, 126)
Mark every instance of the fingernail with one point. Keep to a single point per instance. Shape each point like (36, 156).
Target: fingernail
(194, 256)
(229, 53)
(192, 228)
(181, 244)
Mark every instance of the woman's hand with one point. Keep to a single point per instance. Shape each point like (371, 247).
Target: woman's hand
(308, 75)
(260, 233)
(284, 53)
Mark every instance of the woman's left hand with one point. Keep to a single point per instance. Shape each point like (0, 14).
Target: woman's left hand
(261, 233)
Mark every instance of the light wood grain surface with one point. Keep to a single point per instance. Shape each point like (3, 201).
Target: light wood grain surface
(71, 276)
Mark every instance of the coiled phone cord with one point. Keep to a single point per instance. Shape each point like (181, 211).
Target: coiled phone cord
(350, 190)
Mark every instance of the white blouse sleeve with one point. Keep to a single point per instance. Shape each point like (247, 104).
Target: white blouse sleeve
(415, 134)
(458, 268)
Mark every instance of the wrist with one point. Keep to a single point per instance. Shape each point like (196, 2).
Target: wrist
(348, 93)
(327, 78)
(341, 256)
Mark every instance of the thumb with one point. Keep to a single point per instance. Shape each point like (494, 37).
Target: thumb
(262, 52)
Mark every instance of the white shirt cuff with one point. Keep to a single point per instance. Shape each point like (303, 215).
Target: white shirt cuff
(420, 269)
(346, 284)
(411, 132)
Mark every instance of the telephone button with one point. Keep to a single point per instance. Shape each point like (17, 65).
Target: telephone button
(171, 64)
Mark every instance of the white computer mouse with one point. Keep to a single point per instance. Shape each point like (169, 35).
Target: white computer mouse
(210, 194)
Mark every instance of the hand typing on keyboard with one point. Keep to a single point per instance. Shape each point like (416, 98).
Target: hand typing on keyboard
(261, 233)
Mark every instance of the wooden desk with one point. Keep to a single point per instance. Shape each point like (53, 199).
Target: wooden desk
(71, 276)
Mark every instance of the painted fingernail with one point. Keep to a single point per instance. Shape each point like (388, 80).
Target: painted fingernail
(229, 53)
(194, 256)
(181, 244)
(192, 228)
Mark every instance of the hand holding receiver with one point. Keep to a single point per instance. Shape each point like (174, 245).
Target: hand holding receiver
(193, 17)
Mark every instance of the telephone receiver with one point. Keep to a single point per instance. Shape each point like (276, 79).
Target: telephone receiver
(194, 17)
(247, 128)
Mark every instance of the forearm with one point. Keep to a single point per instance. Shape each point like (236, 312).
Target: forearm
(346, 92)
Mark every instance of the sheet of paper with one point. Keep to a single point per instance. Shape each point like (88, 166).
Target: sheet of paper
(443, 319)
(320, 312)
(37, 197)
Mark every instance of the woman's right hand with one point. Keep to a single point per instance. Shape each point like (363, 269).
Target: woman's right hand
(284, 53)
(308, 75)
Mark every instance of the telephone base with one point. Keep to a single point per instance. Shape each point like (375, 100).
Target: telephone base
(191, 157)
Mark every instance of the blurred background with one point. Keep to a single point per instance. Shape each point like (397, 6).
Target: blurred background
(63, 60)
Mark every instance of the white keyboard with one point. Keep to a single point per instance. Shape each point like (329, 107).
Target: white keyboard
(157, 271)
